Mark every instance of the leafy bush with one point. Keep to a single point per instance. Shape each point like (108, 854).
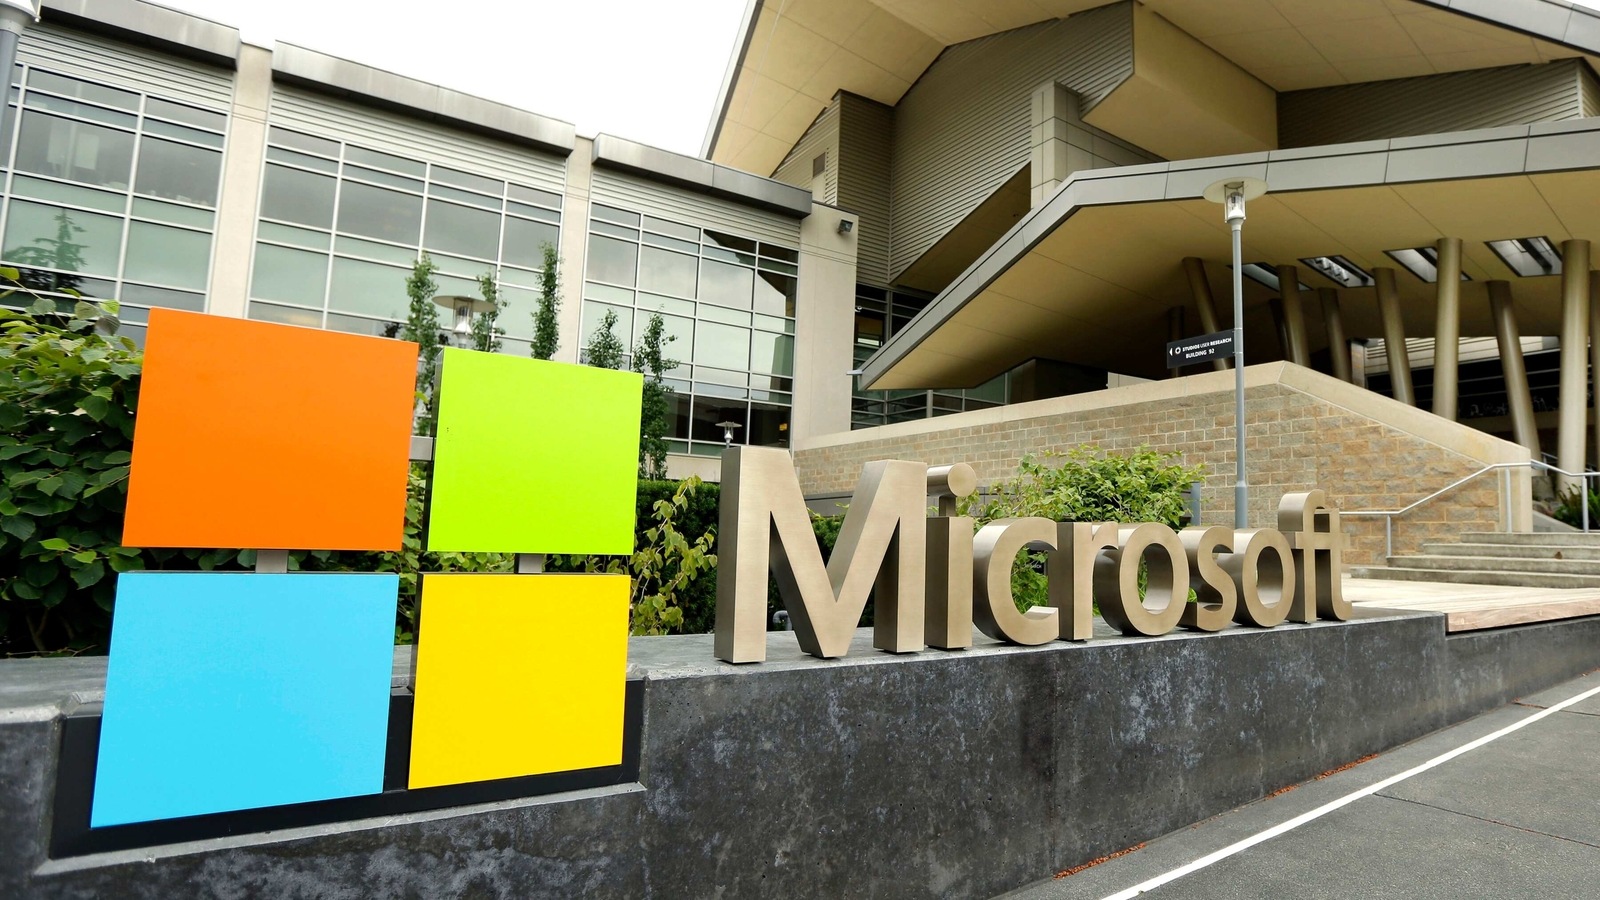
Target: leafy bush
(1085, 485)
(1569, 509)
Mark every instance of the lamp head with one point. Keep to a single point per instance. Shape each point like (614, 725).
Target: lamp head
(1232, 194)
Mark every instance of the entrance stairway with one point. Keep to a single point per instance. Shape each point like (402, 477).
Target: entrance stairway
(1541, 560)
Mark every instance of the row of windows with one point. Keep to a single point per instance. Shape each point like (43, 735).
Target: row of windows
(111, 193)
(728, 303)
(340, 226)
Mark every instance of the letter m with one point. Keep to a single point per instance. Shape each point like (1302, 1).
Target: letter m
(764, 525)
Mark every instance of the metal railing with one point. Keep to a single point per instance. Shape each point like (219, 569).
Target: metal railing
(1504, 472)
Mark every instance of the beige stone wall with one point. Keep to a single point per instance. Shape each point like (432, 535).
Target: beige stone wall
(1305, 431)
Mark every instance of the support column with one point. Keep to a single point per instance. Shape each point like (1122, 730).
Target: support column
(1594, 356)
(1280, 325)
(1447, 331)
(1200, 288)
(1574, 389)
(1518, 397)
(1294, 316)
(1338, 345)
(1175, 332)
(1394, 336)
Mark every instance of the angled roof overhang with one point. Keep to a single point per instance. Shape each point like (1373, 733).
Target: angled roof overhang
(795, 55)
(1089, 276)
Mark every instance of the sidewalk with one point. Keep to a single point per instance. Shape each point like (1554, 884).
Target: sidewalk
(1517, 816)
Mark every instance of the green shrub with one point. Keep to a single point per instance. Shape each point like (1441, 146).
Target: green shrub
(1569, 509)
(1085, 485)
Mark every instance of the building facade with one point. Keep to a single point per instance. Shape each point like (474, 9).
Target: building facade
(158, 160)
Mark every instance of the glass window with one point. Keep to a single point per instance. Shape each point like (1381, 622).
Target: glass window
(725, 284)
(462, 229)
(293, 276)
(359, 325)
(24, 186)
(364, 157)
(769, 425)
(83, 110)
(775, 252)
(651, 302)
(772, 353)
(369, 288)
(536, 197)
(386, 252)
(295, 196)
(612, 260)
(384, 178)
(730, 242)
(278, 154)
(524, 242)
(76, 151)
(468, 197)
(709, 412)
(170, 256)
(153, 296)
(775, 294)
(665, 272)
(724, 346)
(468, 181)
(83, 90)
(267, 312)
(171, 212)
(375, 212)
(182, 133)
(178, 172)
(662, 226)
(288, 234)
(55, 238)
(608, 294)
(305, 143)
(188, 115)
(612, 214)
(679, 416)
(534, 212)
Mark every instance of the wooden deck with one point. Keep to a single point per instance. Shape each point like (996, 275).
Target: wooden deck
(1472, 607)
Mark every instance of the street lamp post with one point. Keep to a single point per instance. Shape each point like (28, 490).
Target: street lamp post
(1232, 194)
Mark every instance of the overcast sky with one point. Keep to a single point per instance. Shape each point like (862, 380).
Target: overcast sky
(642, 69)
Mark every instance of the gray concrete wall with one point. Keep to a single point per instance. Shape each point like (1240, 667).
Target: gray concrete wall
(931, 775)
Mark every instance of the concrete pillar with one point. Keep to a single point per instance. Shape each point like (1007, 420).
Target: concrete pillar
(1518, 398)
(1394, 336)
(1574, 389)
(1447, 331)
(1060, 144)
(574, 243)
(1294, 316)
(824, 326)
(243, 159)
(1280, 325)
(1338, 345)
(1594, 357)
(1205, 303)
(1175, 332)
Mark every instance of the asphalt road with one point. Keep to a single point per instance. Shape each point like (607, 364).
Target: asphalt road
(1506, 805)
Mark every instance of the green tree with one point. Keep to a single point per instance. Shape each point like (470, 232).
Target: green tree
(656, 403)
(605, 349)
(486, 334)
(422, 329)
(546, 331)
(61, 252)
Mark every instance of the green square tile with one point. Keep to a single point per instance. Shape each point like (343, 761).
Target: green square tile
(533, 456)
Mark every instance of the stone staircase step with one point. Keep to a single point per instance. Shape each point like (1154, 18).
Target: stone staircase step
(1498, 564)
(1467, 576)
(1564, 539)
(1517, 551)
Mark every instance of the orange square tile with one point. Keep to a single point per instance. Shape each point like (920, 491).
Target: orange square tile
(256, 435)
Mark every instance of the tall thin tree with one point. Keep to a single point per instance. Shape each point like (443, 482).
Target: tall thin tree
(656, 404)
(605, 349)
(422, 329)
(486, 332)
(546, 330)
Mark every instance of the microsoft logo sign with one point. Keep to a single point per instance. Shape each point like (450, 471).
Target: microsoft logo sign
(237, 691)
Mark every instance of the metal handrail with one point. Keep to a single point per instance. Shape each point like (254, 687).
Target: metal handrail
(1505, 496)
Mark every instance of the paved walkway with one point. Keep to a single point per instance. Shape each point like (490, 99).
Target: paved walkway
(1469, 607)
(1506, 805)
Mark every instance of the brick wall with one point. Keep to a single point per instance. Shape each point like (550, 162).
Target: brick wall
(1295, 441)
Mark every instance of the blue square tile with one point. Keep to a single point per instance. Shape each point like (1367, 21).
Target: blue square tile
(238, 691)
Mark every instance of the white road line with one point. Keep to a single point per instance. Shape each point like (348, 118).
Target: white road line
(1346, 800)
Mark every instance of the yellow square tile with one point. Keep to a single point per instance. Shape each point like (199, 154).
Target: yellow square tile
(518, 675)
